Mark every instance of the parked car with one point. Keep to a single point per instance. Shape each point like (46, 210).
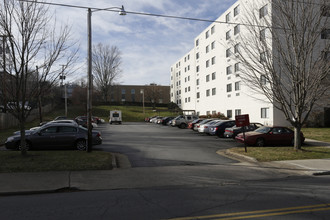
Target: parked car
(233, 131)
(166, 120)
(197, 125)
(265, 135)
(82, 120)
(204, 128)
(219, 128)
(192, 124)
(55, 135)
(182, 121)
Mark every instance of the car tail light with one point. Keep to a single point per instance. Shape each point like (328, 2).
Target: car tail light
(216, 128)
(98, 134)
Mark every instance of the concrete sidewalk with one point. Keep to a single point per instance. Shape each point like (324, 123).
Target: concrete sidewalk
(126, 177)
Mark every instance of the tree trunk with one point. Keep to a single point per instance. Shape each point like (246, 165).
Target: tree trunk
(297, 138)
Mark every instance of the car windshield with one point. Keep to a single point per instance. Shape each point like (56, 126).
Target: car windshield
(263, 130)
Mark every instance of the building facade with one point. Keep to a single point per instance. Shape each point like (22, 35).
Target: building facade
(208, 77)
(152, 93)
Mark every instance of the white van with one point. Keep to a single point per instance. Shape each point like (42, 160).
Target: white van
(115, 117)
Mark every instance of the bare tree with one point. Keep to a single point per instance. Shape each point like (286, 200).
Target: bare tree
(106, 68)
(284, 56)
(153, 93)
(32, 42)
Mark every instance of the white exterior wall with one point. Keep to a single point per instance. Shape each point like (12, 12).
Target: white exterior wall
(243, 100)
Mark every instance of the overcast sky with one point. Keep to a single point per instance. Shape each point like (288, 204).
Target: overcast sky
(149, 45)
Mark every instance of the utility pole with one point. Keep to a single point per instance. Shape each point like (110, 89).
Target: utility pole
(62, 77)
(39, 94)
(4, 71)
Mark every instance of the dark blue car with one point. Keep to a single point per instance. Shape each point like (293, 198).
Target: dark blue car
(219, 128)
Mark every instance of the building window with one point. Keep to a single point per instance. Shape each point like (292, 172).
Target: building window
(207, 49)
(263, 11)
(197, 42)
(229, 88)
(207, 92)
(263, 80)
(197, 82)
(263, 57)
(325, 34)
(229, 113)
(236, 29)
(264, 112)
(213, 60)
(132, 91)
(228, 52)
(236, 10)
(238, 112)
(227, 35)
(213, 76)
(236, 48)
(236, 68)
(207, 34)
(228, 17)
(325, 10)
(188, 88)
(213, 29)
(237, 86)
(185, 89)
(197, 56)
(229, 70)
(214, 91)
(198, 95)
(207, 63)
(212, 45)
(197, 69)
(326, 55)
(207, 78)
(263, 35)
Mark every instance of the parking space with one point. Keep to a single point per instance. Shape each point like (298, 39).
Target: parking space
(150, 145)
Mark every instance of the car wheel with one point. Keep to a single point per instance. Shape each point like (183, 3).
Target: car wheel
(182, 125)
(260, 142)
(27, 146)
(81, 145)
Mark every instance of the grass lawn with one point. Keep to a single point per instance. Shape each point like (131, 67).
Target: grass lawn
(37, 161)
(264, 154)
(320, 134)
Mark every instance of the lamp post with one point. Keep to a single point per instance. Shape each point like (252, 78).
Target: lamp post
(89, 72)
(142, 92)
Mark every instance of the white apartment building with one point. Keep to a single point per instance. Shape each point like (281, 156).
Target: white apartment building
(207, 78)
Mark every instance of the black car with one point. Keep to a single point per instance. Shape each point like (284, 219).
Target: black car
(165, 120)
(233, 131)
(219, 128)
(55, 135)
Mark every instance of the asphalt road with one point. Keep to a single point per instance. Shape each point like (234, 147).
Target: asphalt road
(176, 174)
(151, 145)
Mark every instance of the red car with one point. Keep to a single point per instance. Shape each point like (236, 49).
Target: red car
(263, 136)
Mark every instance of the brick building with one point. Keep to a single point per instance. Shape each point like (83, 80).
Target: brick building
(152, 93)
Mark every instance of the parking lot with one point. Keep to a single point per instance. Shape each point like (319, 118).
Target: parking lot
(151, 145)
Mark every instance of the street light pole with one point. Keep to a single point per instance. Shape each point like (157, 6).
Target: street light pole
(89, 90)
(89, 73)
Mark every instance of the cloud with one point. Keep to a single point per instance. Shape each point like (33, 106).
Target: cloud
(149, 45)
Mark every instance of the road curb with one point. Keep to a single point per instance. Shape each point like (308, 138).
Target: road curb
(237, 156)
